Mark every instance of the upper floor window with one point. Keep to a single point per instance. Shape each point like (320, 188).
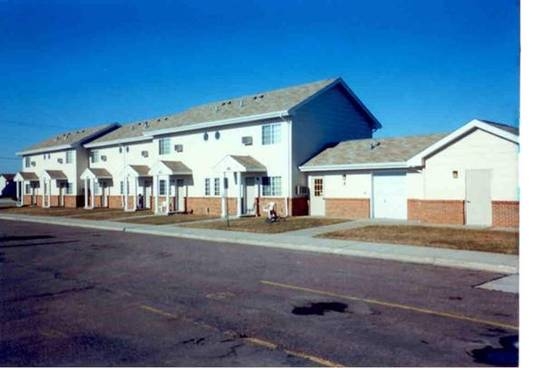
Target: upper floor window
(27, 161)
(68, 157)
(271, 185)
(271, 133)
(164, 146)
(94, 156)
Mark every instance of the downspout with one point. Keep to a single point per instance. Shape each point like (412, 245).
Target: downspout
(289, 162)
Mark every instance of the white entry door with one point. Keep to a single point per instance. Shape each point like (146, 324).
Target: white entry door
(180, 195)
(389, 196)
(249, 195)
(478, 206)
(318, 206)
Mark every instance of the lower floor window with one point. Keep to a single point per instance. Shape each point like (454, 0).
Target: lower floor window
(68, 188)
(27, 189)
(162, 187)
(271, 186)
(216, 184)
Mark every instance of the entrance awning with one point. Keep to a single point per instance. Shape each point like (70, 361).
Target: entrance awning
(238, 163)
(140, 170)
(170, 168)
(55, 175)
(93, 173)
(26, 176)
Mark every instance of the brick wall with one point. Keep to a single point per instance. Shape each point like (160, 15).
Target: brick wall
(115, 201)
(347, 207)
(71, 201)
(436, 211)
(505, 213)
(209, 205)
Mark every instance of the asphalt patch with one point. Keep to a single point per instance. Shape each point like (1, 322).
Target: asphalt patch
(320, 308)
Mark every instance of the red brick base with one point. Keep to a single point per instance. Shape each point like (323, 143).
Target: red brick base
(505, 213)
(209, 205)
(347, 207)
(436, 211)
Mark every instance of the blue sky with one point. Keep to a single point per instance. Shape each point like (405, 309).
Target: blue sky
(420, 66)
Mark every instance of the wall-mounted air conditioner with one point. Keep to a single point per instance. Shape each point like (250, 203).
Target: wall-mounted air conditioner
(60, 160)
(247, 141)
(33, 163)
(302, 190)
(103, 158)
(178, 147)
(144, 153)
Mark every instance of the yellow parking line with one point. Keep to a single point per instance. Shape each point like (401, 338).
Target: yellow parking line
(393, 305)
(158, 311)
(272, 346)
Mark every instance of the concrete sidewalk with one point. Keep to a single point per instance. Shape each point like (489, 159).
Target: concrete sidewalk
(302, 240)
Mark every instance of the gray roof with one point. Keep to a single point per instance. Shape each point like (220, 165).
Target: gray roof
(101, 173)
(141, 170)
(250, 163)
(56, 174)
(177, 167)
(71, 138)
(8, 176)
(368, 151)
(255, 104)
(507, 128)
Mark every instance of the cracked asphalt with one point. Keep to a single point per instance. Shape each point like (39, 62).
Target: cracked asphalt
(83, 297)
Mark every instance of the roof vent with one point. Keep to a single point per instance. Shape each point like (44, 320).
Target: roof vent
(374, 144)
(261, 96)
(166, 118)
(146, 124)
(241, 103)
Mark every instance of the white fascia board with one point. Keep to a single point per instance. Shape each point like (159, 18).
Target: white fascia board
(350, 167)
(118, 141)
(217, 123)
(44, 149)
(417, 160)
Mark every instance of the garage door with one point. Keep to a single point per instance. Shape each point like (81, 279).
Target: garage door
(389, 196)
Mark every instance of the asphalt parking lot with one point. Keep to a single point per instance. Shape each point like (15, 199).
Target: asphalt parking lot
(73, 296)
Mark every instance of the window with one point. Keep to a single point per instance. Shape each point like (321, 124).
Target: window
(27, 161)
(68, 157)
(94, 156)
(318, 187)
(68, 188)
(162, 187)
(27, 189)
(271, 185)
(216, 185)
(121, 187)
(207, 188)
(271, 133)
(128, 187)
(164, 146)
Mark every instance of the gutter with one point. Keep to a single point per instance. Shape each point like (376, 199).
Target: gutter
(45, 149)
(118, 141)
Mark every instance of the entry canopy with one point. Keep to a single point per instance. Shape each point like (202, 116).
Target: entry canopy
(170, 168)
(236, 163)
(92, 173)
(26, 176)
(54, 175)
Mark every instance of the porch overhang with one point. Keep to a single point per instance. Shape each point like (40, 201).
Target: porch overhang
(95, 174)
(26, 176)
(54, 175)
(170, 168)
(243, 164)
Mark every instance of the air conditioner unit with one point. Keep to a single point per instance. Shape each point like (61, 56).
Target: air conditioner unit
(33, 163)
(178, 148)
(144, 153)
(60, 160)
(302, 190)
(103, 158)
(247, 141)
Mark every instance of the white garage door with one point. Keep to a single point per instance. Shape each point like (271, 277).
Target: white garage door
(389, 196)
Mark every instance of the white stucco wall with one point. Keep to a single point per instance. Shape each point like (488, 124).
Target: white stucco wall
(477, 150)
(353, 185)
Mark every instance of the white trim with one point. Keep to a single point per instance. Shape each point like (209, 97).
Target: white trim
(418, 159)
(374, 165)
(118, 141)
(215, 123)
(45, 149)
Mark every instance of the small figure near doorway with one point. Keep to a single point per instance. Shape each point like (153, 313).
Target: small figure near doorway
(140, 201)
(272, 214)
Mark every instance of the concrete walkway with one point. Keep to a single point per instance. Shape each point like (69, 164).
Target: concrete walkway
(302, 240)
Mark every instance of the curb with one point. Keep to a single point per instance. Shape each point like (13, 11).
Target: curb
(338, 250)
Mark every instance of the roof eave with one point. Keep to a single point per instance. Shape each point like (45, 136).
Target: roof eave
(216, 123)
(113, 142)
(352, 167)
(45, 149)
